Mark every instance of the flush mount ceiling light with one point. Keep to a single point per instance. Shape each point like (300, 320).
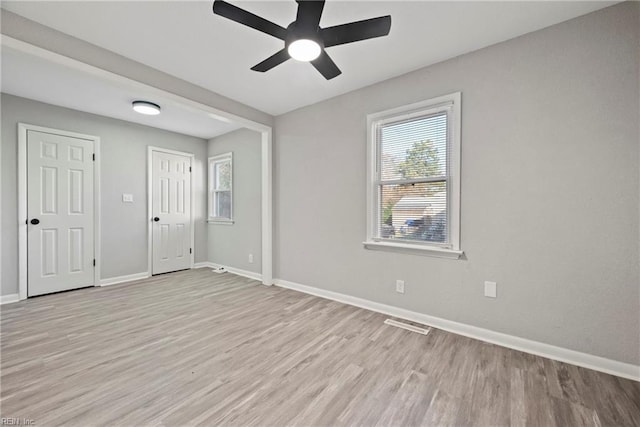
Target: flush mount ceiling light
(145, 107)
(304, 39)
(304, 50)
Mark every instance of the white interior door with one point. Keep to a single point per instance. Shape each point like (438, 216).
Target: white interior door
(171, 212)
(60, 224)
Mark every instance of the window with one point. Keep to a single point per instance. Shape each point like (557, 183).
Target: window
(221, 188)
(414, 178)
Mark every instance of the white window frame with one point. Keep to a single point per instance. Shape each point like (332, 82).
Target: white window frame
(452, 104)
(213, 160)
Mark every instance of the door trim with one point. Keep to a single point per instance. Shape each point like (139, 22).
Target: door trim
(150, 150)
(23, 128)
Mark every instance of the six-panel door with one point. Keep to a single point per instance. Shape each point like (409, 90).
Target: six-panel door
(171, 212)
(60, 229)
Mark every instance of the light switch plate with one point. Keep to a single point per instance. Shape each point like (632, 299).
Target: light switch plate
(490, 289)
(127, 198)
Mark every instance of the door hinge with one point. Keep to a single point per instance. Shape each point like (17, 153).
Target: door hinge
(94, 262)
(94, 157)
(189, 168)
(190, 250)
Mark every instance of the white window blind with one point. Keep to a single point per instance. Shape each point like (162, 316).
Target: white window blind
(221, 187)
(413, 182)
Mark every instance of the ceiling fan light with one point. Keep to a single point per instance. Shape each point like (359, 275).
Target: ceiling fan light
(145, 107)
(304, 50)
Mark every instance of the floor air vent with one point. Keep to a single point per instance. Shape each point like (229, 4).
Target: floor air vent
(406, 326)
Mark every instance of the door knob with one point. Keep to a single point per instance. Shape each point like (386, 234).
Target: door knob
(156, 219)
(35, 221)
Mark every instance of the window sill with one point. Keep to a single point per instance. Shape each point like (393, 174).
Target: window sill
(404, 248)
(221, 221)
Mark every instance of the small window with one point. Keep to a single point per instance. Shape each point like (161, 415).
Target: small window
(414, 187)
(221, 188)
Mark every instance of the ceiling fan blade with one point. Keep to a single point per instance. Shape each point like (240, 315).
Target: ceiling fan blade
(275, 59)
(241, 16)
(326, 66)
(356, 31)
(309, 13)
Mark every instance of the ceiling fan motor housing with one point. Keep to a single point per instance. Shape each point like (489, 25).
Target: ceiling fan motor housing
(299, 32)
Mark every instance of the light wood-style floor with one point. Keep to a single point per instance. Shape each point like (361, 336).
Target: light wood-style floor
(196, 347)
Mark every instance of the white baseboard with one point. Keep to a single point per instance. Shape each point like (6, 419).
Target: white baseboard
(597, 363)
(232, 270)
(205, 264)
(239, 272)
(8, 299)
(123, 279)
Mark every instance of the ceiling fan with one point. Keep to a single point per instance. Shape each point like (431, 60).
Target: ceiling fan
(304, 39)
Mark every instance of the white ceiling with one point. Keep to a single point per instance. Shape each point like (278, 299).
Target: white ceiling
(186, 40)
(40, 79)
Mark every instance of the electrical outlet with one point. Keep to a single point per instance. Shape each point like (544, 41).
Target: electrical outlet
(490, 289)
(251, 258)
(400, 286)
(127, 198)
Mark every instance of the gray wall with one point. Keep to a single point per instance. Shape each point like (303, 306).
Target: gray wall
(550, 189)
(123, 158)
(230, 245)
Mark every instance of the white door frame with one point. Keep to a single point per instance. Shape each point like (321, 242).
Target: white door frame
(217, 113)
(22, 201)
(150, 150)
